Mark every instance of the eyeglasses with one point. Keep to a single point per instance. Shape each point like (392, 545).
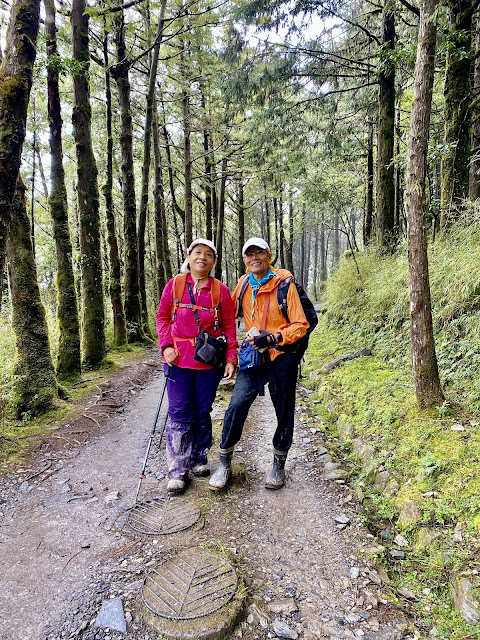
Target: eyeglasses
(255, 254)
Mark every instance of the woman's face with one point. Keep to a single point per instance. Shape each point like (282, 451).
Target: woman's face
(201, 259)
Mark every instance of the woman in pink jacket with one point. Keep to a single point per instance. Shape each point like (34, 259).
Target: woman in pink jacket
(192, 385)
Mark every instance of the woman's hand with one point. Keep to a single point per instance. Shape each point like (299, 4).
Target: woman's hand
(170, 355)
(229, 371)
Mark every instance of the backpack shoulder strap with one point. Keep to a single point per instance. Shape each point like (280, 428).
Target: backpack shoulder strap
(216, 290)
(282, 292)
(179, 283)
(245, 283)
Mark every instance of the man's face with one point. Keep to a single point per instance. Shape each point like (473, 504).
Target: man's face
(257, 261)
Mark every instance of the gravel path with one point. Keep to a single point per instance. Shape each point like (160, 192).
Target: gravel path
(62, 550)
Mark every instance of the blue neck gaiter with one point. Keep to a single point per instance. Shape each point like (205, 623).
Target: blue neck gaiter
(256, 284)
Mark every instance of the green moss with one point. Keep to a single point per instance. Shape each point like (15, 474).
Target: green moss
(17, 442)
(435, 467)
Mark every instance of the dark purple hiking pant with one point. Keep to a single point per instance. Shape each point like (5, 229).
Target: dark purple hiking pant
(191, 393)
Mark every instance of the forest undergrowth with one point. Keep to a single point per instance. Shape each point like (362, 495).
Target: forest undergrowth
(421, 479)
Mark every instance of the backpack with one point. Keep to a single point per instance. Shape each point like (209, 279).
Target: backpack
(300, 346)
(179, 283)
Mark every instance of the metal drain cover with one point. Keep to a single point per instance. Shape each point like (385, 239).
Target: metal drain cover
(191, 584)
(161, 516)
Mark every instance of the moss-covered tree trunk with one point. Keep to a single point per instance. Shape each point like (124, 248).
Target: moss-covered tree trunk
(275, 215)
(281, 230)
(424, 359)
(176, 208)
(133, 310)
(147, 146)
(336, 239)
(474, 175)
(458, 94)
(220, 220)
(267, 215)
(69, 357)
(315, 262)
(119, 323)
(303, 250)
(207, 185)
(385, 203)
(15, 84)
(241, 227)
(34, 377)
(213, 182)
(289, 247)
(368, 219)
(323, 252)
(162, 250)
(187, 152)
(93, 326)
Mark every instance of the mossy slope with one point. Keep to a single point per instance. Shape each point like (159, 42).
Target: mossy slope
(432, 457)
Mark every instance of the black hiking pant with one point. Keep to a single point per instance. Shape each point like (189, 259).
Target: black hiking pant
(281, 374)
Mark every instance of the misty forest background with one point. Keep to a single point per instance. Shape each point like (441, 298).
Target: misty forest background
(128, 130)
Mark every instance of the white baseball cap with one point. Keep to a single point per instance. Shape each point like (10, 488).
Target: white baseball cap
(255, 242)
(207, 243)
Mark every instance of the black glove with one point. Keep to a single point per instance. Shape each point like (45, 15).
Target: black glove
(264, 340)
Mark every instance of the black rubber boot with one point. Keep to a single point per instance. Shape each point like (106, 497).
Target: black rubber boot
(220, 478)
(276, 478)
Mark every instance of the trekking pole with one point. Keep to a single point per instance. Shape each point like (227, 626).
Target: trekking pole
(152, 433)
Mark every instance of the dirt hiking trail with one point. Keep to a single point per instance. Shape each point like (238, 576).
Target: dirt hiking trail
(64, 549)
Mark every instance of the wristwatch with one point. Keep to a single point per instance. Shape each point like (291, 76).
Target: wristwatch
(167, 346)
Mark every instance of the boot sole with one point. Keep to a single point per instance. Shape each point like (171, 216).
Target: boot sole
(201, 474)
(176, 492)
(218, 489)
(274, 487)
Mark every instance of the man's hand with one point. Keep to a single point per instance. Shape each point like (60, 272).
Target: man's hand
(264, 340)
(229, 371)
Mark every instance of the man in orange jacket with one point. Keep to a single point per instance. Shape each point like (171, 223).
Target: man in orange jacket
(262, 315)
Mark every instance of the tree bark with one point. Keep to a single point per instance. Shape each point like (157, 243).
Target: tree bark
(289, 247)
(119, 323)
(368, 223)
(34, 377)
(220, 222)
(187, 154)
(267, 216)
(207, 185)
(133, 309)
(93, 329)
(474, 177)
(424, 360)
(15, 86)
(323, 252)
(336, 239)
(458, 94)
(386, 231)
(281, 232)
(241, 228)
(69, 356)
(32, 190)
(277, 243)
(147, 137)
(162, 251)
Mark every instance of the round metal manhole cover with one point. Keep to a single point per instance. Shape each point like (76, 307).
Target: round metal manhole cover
(191, 584)
(161, 516)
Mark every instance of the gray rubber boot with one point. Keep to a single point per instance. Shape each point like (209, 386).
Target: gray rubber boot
(220, 478)
(276, 478)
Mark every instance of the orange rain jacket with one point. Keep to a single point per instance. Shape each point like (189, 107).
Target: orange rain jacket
(291, 331)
